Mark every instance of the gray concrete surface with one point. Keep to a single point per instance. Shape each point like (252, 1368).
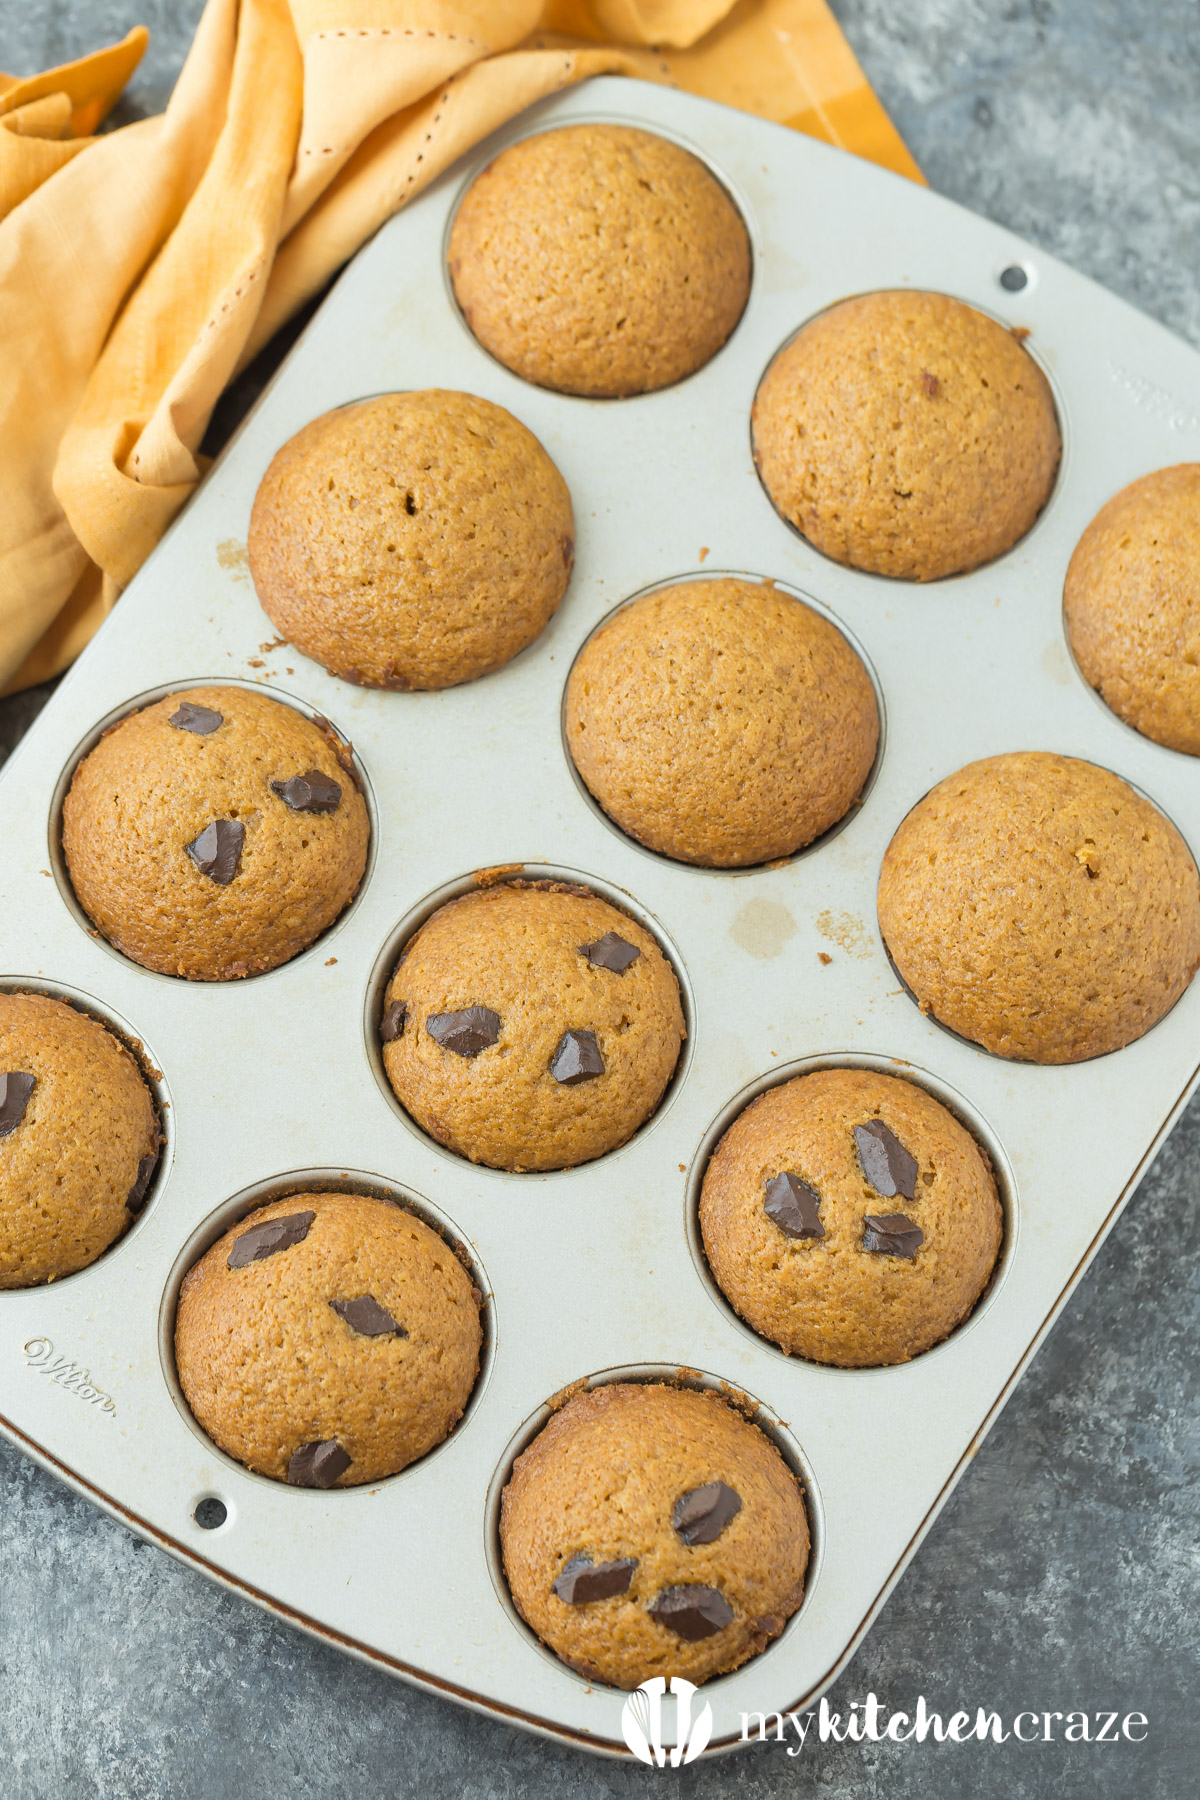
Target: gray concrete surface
(1062, 1574)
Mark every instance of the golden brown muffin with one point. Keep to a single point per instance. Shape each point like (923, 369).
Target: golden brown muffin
(1132, 604)
(721, 722)
(412, 541)
(79, 1139)
(907, 434)
(328, 1340)
(850, 1218)
(652, 1530)
(215, 834)
(531, 1026)
(599, 260)
(1041, 907)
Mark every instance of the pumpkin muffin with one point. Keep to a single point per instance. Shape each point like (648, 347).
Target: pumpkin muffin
(1132, 605)
(599, 260)
(328, 1340)
(215, 833)
(79, 1139)
(1039, 906)
(721, 722)
(531, 1026)
(907, 434)
(652, 1530)
(850, 1218)
(412, 541)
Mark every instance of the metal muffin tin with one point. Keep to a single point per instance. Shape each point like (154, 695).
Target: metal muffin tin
(598, 1269)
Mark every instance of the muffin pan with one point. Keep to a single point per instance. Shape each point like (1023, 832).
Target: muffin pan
(598, 1269)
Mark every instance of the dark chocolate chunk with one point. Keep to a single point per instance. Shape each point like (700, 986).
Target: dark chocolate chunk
(577, 1058)
(581, 1580)
(887, 1165)
(692, 1612)
(318, 1465)
(15, 1089)
(218, 850)
(468, 1032)
(367, 1317)
(701, 1515)
(137, 1194)
(201, 720)
(792, 1204)
(264, 1240)
(610, 952)
(931, 384)
(391, 1026)
(311, 793)
(891, 1234)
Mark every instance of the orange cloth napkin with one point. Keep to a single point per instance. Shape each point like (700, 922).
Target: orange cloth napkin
(140, 269)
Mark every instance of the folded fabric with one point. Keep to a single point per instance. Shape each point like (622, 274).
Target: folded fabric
(140, 269)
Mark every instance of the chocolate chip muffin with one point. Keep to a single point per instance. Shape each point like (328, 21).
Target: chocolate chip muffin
(652, 1530)
(531, 1026)
(1039, 906)
(215, 833)
(328, 1340)
(907, 434)
(721, 722)
(599, 260)
(850, 1218)
(79, 1139)
(1132, 606)
(412, 541)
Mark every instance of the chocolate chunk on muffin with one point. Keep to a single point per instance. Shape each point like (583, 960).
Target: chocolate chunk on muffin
(79, 1139)
(652, 1530)
(907, 434)
(1132, 606)
(328, 1340)
(1039, 906)
(215, 834)
(721, 722)
(518, 1033)
(599, 260)
(850, 1218)
(414, 540)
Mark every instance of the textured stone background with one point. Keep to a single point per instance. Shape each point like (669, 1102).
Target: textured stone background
(1062, 1574)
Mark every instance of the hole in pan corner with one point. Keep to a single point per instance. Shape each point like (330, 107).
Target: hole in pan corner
(211, 1513)
(385, 965)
